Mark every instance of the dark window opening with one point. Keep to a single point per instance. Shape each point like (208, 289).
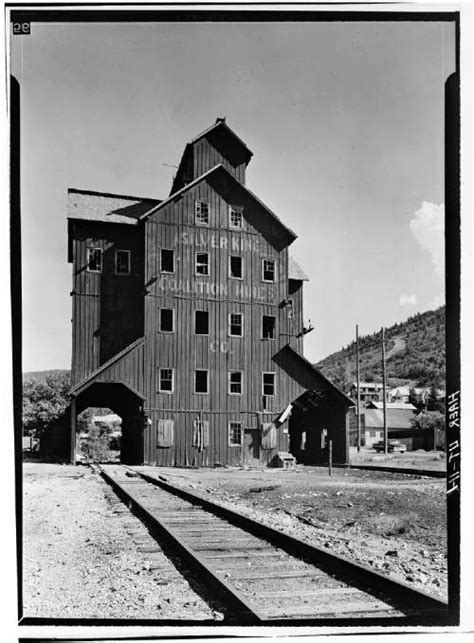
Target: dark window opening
(268, 327)
(268, 270)
(236, 267)
(200, 382)
(202, 263)
(166, 380)
(235, 382)
(235, 324)
(235, 216)
(167, 260)
(202, 213)
(201, 322)
(166, 320)
(268, 381)
(122, 262)
(94, 259)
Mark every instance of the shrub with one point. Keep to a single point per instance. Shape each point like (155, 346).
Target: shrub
(96, 448)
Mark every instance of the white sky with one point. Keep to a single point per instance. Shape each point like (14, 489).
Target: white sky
(345, 121)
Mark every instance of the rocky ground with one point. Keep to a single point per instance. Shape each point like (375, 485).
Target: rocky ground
(392, 522)
(84, 556)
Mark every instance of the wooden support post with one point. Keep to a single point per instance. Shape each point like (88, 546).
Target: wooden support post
(358, 388)
(330, 457)
(385, 432)
(72, 437)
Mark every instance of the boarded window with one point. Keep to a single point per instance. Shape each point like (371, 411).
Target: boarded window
(166, 320)
(202, 212)
(122, 262)
(166, 260)
(201, 384)
(201, 322)
(235, 324)
(268, 270)
(235, 434)
(236, 271)
(200, 434)
(202, 263)
(165, 380)
(268, 327)
(235, 216)
(165, 433)
(235, 382)
(94, 259)
(268, 383)
(269, 435)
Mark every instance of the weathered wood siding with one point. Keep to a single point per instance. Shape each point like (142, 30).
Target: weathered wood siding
(173, 227)
(207, 155)
(107, 308)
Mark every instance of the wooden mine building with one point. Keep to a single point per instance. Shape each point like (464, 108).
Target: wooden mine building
(187, 320)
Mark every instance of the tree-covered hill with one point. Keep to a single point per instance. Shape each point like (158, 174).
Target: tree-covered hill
(414, 349)
(43, 375)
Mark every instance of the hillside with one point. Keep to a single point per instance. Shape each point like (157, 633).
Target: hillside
(415, 354)
(42, 375)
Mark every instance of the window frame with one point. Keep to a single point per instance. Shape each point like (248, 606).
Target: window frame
(165, 368)
(197, 310)
(231, 276)
(197, 204)
(201, 370)
(269, 281)
(229, 433)
(241, 324)
(89, 252)
(263, 383)
(239, 209)
(129, 263)
(200, 274)
(229, 382)
(167, 272)
(273, 338)
(172, 320)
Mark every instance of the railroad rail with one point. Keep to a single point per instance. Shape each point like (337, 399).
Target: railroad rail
(263, 574)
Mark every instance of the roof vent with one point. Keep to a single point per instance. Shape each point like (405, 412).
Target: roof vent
(220, 120)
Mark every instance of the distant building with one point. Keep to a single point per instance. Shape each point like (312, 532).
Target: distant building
(398, 420)
(369, 391)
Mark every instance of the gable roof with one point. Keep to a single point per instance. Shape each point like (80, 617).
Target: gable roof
(106, 207)
(295, 271)
(392, 405)
(396, 418)
(221, 124)
(216, 170)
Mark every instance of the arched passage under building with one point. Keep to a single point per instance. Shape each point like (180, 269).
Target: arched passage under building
(123, 401)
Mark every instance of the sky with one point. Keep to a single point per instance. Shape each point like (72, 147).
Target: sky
(345, 121)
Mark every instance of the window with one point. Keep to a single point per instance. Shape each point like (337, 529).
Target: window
(200, 381)
(166, 380)
(201, 212)
(235, 216)
(268, 383)
(372, 434)
(235, 434)
(235, 382)
(201, 322)
(268, 327)
(94, 260)
(235, 324)
(290, 309)
(166, 260)
(202, 263)
(235, 267)
(166, 320)
(268, 270)
(122, 262)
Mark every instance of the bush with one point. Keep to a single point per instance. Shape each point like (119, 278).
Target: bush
(96, 448)
(45, 402)
(429, 420)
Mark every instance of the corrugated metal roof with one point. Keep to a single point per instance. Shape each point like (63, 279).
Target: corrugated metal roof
(295, 271)
(396, 418)
(103, 206)
(392, 405)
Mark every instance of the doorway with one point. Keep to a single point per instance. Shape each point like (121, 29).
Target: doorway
(251, 447)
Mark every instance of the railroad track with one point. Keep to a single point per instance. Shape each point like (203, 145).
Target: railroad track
(262, 574)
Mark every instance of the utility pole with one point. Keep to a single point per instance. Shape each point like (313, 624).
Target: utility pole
(358, 388)
(385, 433)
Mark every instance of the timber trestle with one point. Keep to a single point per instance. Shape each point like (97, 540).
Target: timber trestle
(263, 574)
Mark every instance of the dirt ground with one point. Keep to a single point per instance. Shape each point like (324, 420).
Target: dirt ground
(393, 522)
(420, 459)
(84, 557)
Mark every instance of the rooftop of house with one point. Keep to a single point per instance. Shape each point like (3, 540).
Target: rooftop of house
(106, 207)
(295, 271)
(392, 405)
(396, 418)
